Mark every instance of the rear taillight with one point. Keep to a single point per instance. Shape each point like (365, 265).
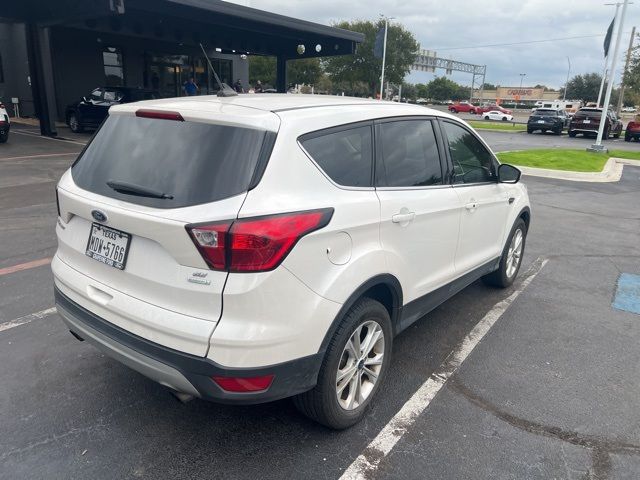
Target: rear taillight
(244, 384)
(57, 202)
(255, 244)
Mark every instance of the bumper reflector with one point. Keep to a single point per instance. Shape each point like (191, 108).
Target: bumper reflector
(244, 384)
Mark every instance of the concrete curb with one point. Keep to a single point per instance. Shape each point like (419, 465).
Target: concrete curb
(611, 172)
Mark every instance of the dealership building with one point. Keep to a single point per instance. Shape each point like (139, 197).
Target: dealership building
(52, 53)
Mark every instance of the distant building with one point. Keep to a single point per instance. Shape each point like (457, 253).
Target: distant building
(512, 94)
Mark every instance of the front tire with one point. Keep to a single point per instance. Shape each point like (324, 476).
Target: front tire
(504, 119)
(572, 134)
(486, 117)
(353, 368)
(511, 258)
(74, 124)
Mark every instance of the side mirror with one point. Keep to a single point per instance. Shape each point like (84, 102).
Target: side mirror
(508, 174)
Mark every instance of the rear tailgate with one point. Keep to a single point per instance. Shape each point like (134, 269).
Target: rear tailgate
(165, 293)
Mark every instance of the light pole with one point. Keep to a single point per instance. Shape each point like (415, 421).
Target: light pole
(384, 54)
(522, 75)
(564, 95)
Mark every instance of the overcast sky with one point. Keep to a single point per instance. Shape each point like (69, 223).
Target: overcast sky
(443, 25)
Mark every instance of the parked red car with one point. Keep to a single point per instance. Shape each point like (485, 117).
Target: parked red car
(633, 130)
(492, 107)
(587, 122)
(464, 107)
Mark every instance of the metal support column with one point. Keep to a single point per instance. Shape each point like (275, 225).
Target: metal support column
(281, 74)
(41, 72)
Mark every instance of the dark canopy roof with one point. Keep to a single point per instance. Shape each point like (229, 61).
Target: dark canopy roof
(218, 24)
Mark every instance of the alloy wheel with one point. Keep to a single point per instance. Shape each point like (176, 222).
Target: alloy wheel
(360, 365)
(514, 253)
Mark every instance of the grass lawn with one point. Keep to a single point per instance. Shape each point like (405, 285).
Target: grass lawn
(498, 126)
(560, 159)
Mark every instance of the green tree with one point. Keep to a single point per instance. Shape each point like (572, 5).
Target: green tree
(363, 66)
(304, 70)
(409, 91)
(422, 91)
(441, 88)
(583, 87)
(263, 69)
(490, 86)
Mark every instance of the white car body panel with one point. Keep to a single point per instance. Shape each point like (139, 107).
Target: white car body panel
(244, 320)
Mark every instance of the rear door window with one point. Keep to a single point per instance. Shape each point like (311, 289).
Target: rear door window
(344, 154)
(193, 163)
(407, 154)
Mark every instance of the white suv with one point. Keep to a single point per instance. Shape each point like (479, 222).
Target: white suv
(250, 248)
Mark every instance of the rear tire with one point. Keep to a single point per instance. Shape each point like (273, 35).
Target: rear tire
(511, 258)
(4, 137)
(325, 403)
(453, 110)
(486, 117)
(504, 119)
(572, 134)
(627, 138)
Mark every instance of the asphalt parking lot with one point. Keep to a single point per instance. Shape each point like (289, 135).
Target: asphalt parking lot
(551, 390)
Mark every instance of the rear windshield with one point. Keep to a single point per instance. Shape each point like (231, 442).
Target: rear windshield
(591, 112)
(548, 113)
(192, 162)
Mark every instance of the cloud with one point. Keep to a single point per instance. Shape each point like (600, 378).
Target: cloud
(450, 24)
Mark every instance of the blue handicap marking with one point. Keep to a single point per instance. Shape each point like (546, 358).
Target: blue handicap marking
(628, 293)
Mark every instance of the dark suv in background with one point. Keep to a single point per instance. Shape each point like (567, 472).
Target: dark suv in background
(544, 119)
(90, 111)
(587, 122)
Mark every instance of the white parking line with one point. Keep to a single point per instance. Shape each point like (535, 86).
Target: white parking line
(372, 455)
(27, 319)
(37, 135)
(22, 157)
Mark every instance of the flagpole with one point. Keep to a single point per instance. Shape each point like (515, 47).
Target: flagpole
(605, 70)
(598, 147)
(384, 57)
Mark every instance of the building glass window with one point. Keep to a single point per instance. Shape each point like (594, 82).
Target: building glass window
(113, 67)
(1, 70)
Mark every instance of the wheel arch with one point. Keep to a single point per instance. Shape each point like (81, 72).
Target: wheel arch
(525, 214)
(384, 288)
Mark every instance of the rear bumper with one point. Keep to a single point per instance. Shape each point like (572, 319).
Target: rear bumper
(180, 371)
(546, 125)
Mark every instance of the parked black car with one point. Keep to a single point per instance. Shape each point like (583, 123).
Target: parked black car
(544, 119)
(91, 110)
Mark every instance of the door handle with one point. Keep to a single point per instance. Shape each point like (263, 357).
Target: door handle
(471, 206)
(403, 217)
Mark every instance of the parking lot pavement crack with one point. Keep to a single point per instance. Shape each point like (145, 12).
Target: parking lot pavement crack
(586, 213)
(601, 448)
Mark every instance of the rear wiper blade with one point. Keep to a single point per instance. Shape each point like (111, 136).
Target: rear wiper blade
(139, 190)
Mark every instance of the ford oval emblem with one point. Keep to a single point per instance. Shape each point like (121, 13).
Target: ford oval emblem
(99, 216)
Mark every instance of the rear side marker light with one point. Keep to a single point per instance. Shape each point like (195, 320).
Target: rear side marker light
(159, 114)
(244, 384)
(256, 244)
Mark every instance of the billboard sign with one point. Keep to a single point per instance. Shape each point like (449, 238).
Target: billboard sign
(515, 93)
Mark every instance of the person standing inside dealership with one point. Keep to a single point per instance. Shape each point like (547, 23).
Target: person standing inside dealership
(190, 87)
(238, 86)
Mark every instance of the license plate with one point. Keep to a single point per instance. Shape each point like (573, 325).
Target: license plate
(540, 121)
(108, 245)
(586, 121)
